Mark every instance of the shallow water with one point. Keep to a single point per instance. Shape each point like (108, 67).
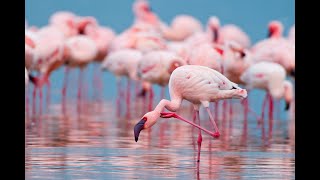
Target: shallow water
(99, 145)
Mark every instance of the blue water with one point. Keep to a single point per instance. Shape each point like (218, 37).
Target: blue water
(100, 145)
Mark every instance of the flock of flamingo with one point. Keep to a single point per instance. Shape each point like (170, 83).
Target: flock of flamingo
(197, 64)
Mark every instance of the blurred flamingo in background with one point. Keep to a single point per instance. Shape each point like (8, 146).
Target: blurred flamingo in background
(80, 50)
(276, 48)
(271, 77)
(123, 63)
(102, 36)
(228, 32)
(182, 27)
(199, 85)
(49, 52)
(155, 67)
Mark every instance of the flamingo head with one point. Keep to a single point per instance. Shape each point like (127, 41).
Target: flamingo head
(143, 11)
(275, 29)
(147, 121)
(214, 25)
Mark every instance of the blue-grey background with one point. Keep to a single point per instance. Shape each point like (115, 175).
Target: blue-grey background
(253, 16)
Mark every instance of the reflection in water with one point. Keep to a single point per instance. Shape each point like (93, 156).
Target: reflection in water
(98, 145)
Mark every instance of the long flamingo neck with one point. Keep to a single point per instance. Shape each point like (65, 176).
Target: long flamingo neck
(288, 91)
(169, 105)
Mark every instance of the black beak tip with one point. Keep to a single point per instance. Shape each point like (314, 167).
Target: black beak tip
(287, 106)
(137, 129)
(292, 73)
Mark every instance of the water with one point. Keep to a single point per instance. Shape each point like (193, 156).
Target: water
(99, 145)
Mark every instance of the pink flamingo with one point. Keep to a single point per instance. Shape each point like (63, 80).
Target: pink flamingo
(65, 21)
(49, 52)
(81, 50)
(270, 77)
(102, 36)
(144, 15)
(123, 63)
(156, 67)
(199, 85)
(276, 48)
(228, 32)
(182, 26)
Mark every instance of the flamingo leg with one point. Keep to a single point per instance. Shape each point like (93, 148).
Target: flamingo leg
(151, 96)
(48, 94)
(199, 134)
(263, 108)
(119, 97)
(230, 109)
(64, 88)
(80, 89)
(217, 133)
(216, 110)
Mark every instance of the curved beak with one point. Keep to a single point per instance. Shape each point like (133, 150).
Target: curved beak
(137, 128)
(287, 106)
(292, 73)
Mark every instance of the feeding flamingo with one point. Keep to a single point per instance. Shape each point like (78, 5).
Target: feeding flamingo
(272, 78)
(199, 85)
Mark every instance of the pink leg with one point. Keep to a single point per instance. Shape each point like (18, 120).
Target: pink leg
(263, 107)
(40, 104)
(217, 133)
(224, 110)
(199, 134)
(48, 94)
(216, 111)
(174, 115)
(64, 89)
(270, 107)
(151, 99)
(119, 98)
(128, 98)
(80, 89)
(230, 109)
(270, 115)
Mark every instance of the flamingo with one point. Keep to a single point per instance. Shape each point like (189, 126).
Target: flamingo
(80, 51)
(156, 67)
(270, 77)
(65, 21)
(199, 85)
(48, 52)
(228, 32)
(144, 15)
(123, 63)
(276, 48)
(182, 26)
(206, 55)
(103, 37)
